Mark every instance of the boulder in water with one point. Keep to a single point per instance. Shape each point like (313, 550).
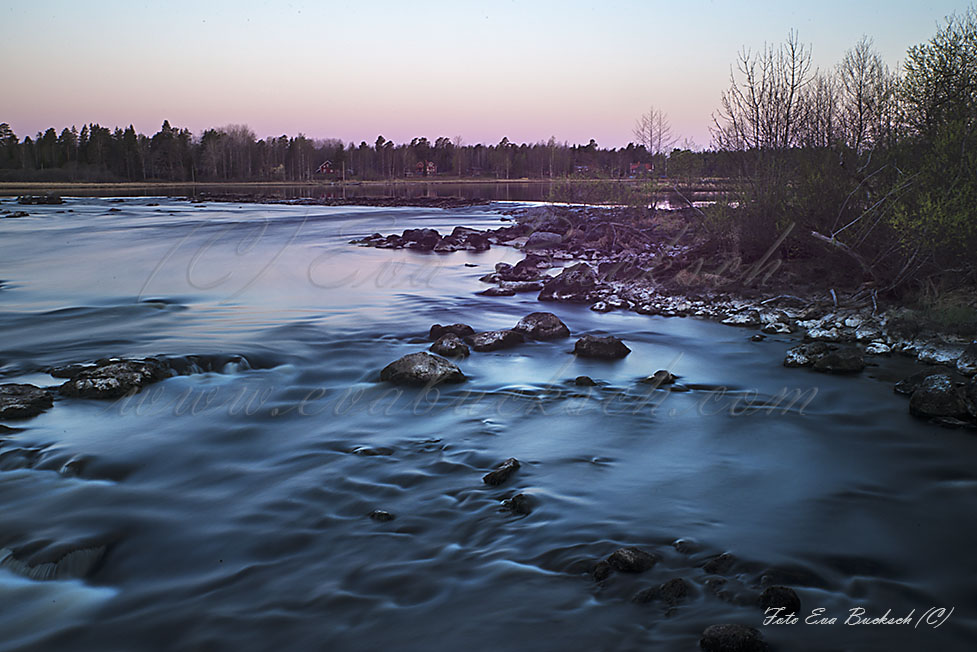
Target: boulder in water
(450, 346)
(22, 401)
(501, 473)
(421, 369)
(732, 638)
(115, 378)
(495, 340)
(937, 396)
(604, 348)
(542, 326)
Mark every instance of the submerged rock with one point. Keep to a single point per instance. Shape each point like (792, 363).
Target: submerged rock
(937, 396)
(605, 348)
(495, 340)
(780, 596)
(584, 381)
(115, 378)
(731, 638)
(848, 360)
(542, 326)
(519, 504)
(22, 401)
(450, 346)
(501, 473)
(421, 369)
(631, 559)
(497, 292)
(720, 564)
(672, 592)
(381, 515)
(659, 378)
(601, 571)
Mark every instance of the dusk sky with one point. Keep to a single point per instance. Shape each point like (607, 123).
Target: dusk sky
(353, 70)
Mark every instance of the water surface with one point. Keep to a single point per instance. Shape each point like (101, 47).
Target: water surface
(232, 502)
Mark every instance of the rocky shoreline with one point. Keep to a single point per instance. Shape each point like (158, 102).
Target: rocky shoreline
(606, 258)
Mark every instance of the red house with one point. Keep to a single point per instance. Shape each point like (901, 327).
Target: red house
(326, 168)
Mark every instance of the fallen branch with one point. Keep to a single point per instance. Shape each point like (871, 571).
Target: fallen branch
(845, 248)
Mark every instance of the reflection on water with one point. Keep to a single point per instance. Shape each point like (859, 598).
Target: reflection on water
(231, 502)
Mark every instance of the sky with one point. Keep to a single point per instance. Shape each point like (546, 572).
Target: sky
(355, 70)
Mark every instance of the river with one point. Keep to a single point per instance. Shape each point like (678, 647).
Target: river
(230, 505)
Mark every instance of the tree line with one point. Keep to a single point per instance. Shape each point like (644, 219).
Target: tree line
(233, 153)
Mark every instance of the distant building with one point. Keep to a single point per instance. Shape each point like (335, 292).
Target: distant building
(326, 168)
(426, 168)
(640, 168)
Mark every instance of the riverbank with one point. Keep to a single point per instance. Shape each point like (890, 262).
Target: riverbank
(664, 263)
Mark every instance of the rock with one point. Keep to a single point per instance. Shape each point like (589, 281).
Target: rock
(421, 369)
(878, 348)
(777, 328)
(542, 326)
(631, 559)
(381, 515)
(39, 199)
(780, 596)
(758, 338)
(16, 214)
(497, 292)
(908, 385)
(527, 269)
(672, 592)
(519, 504)
(584, 381)
(450, 346)
(21, 401)
(749, 318)
(115, 378)
(967, 362)
(971, 394)
(720, 564)
(495, 340)
(601, 571)
(830, 334)
(424, 239)
(848, 360)
(938, 353)
(522, 286)
(937, 396)
(731, 638)
(601, 306)
(869, 332)
(543, 240)
(659, 378)
(501, 473)
(461, 330)
(604, 348)
(574, 283)
(805, 355)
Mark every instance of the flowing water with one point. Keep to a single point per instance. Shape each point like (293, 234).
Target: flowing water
(226, 508)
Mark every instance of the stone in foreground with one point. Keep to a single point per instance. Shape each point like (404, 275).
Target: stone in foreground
(421, 369)
(501, 473)
(542, 326)
(604, 348)
(115, 378)
(732, 638)
(20, 401)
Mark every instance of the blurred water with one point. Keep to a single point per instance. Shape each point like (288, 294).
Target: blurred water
(232, 504)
